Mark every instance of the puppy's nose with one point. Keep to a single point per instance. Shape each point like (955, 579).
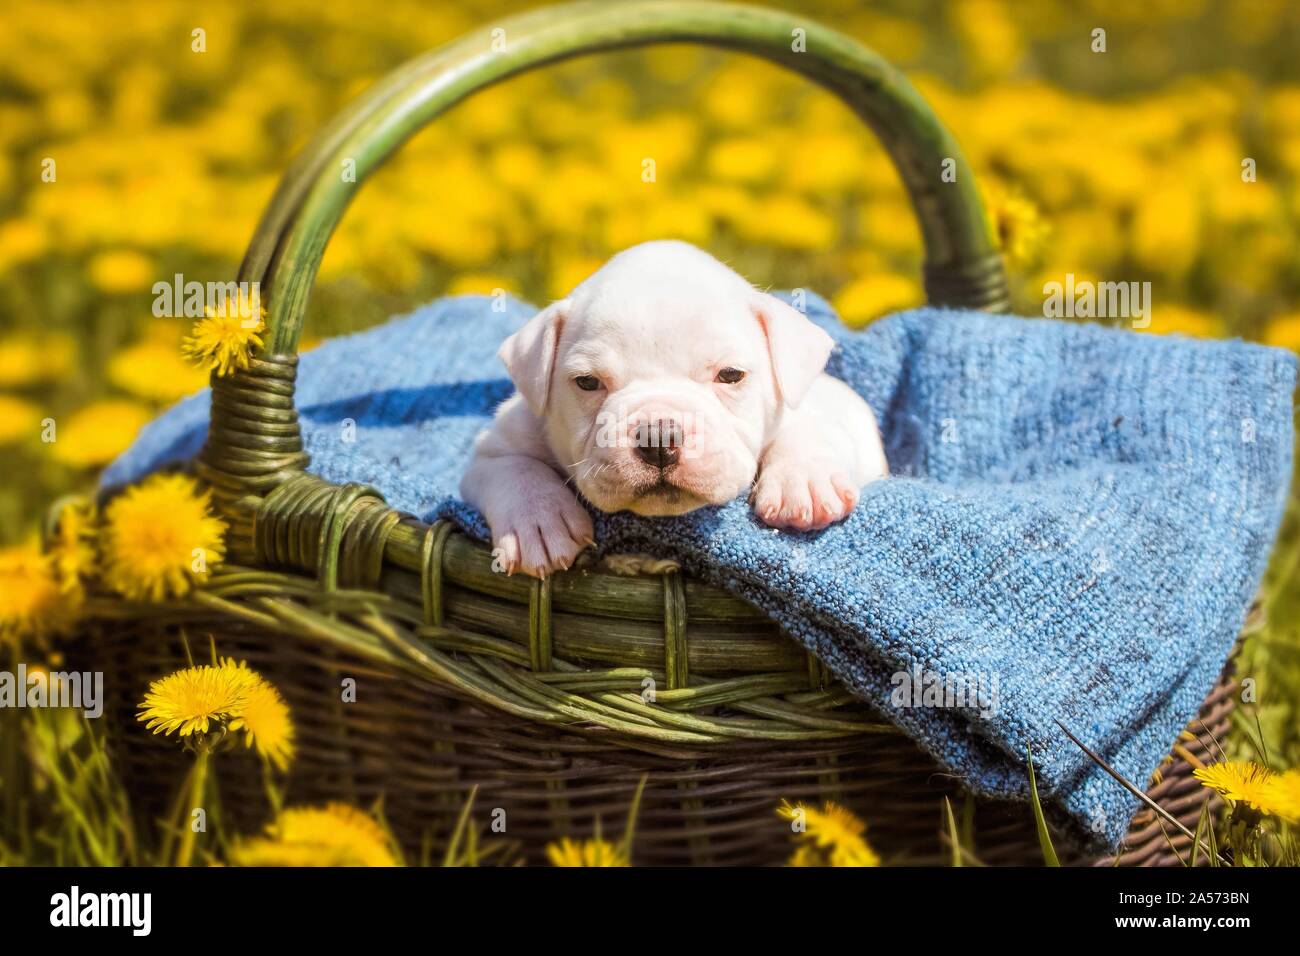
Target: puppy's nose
(659, 443)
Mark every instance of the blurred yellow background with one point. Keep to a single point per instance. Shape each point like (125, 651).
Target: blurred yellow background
(1122, 165)
(140, 139)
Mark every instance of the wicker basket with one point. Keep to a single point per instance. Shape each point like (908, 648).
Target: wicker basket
(533, 691)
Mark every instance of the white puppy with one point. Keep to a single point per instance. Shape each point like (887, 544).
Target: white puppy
(663, 383)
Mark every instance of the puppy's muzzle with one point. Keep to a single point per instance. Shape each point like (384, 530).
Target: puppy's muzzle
(659, 443)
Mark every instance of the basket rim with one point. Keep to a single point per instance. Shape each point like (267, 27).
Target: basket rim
(391, 630)
(590, 588)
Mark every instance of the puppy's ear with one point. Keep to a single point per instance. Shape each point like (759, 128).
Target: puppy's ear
(529, 354)
(799, 348)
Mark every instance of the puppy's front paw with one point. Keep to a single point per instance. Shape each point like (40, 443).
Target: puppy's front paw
(541, 535)
(802, 496)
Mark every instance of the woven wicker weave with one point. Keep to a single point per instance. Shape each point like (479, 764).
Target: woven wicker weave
(536, 691)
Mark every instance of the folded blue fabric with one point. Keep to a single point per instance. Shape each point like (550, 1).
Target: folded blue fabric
(1077, 520)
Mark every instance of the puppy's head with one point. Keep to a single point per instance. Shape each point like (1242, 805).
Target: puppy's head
(660, 378)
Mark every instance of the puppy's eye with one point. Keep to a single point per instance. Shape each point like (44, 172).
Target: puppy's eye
(588, 383)
(729, 376)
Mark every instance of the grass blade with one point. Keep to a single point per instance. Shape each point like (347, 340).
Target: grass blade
(1133, 789)
(629, 831)
(953, 836)
(452, 857)
(1202, 822)
(1044, 838)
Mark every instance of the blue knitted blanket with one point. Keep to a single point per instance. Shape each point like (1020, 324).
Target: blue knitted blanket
(1076, 521)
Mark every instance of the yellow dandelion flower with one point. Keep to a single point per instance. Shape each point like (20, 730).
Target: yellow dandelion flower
(121, 271)
(789, 221)
(1241, 781)
(575, 189)
(31, 603)
(1181, 320)
(517, 164)
(20, 361)
(153, 370)
(223, 696)
(98, 433)
(870, 297)
(22, 240)
(197, 699)
(264, 717)
(333, 835)
(1018, 225)
(743, 160)
(1166, 230)
(1284, 332)
(159, 538)
(594, 852)
(1285, 795)
(72, 546)
(740, 96)
(20, 420)
(807, 855)
(833, 831)
(29, 359)
(835, 163)
(224, 338)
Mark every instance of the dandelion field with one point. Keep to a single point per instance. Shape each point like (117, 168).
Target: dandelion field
(129, 156)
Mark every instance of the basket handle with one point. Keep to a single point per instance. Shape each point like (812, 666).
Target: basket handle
(254, 443)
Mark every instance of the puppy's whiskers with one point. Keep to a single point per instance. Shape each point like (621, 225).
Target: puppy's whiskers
(595, 472)
(572, 477)
(591, 473)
